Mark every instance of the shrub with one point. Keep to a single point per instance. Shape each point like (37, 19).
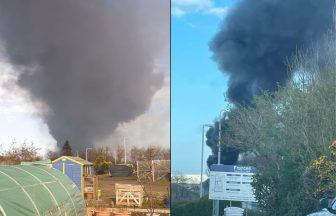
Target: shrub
(101, 166)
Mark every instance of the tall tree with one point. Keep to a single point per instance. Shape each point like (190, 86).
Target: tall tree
(287, 135)
(66, 150)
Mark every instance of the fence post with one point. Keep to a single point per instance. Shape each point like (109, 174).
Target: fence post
(138, 169)
(153, 170)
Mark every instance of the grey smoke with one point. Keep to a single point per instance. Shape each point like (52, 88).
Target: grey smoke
(91, 62)
(257, 36)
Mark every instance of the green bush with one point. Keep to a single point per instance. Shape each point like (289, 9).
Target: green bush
(101, 166)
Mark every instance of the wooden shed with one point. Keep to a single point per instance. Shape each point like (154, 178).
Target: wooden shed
(80, 171)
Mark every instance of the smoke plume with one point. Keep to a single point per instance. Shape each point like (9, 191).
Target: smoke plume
(252, 46)
(257, 36)
(92, 63)
(229, 155)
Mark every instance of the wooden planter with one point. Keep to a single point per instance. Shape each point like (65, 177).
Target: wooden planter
(88, 196)
(103, 213)
(121, 213)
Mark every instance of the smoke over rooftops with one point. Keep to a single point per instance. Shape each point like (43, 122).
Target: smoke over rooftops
(92, 63)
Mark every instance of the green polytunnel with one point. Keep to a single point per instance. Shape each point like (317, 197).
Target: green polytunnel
(35, 190)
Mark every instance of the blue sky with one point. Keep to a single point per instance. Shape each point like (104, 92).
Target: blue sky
(197, 85)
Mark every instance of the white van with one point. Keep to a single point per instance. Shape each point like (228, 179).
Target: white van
(328, 210)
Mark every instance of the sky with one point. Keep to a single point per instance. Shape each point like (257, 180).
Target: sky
(128, 95)
(197, 85)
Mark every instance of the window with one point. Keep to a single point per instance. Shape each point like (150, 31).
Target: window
(333, 206)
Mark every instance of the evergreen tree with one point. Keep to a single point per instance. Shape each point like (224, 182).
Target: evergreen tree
(66, 150)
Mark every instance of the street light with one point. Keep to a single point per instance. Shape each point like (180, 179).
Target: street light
(215, 211)
(202, 158)
(86, 153)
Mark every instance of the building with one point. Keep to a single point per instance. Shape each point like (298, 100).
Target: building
(80, 171)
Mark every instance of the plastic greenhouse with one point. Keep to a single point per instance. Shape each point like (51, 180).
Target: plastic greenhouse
(32, 190)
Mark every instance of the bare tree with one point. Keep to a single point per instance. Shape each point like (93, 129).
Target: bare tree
(120, 154)
(16, 154)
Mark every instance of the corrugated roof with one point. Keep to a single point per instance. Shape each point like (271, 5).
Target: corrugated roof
(74, 159)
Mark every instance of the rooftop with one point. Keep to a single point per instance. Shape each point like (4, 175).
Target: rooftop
(74, 159)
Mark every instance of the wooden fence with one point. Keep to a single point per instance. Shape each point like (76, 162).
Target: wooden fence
(129, 195)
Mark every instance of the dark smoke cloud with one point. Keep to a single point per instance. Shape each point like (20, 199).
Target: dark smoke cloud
(258, 35)
(252, 46)
(91, 62)
(229, 156)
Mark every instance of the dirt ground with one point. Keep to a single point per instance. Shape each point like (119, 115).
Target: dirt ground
(159, 189)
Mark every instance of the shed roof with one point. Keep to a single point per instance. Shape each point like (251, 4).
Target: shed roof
(38, 190)
(78, 160)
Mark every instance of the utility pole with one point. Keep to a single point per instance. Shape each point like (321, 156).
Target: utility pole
(215, 210)
(86, 153)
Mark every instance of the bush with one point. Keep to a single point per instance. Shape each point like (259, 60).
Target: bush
(288, 133)
(101, 166)
(198, 207)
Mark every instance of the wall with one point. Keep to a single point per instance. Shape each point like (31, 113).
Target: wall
(72, 170)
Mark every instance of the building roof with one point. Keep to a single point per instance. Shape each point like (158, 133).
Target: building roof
(38, 190)
(78, 160)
